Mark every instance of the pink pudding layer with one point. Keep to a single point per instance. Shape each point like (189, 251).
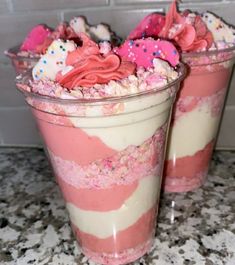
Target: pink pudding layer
(129, 244)
(189, 172)
(135, 235)
(102, 181)
(205, 87)
(124, 258)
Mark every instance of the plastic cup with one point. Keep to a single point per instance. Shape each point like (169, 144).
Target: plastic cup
(107, 156)
(196, 119)
(21, 63)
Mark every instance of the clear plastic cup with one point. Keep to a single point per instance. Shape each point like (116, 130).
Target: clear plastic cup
(21, 62)
(107, 156)
(196, 119)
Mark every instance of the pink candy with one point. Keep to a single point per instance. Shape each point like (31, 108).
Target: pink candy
(143, 51)
(35, 38)
(150, 26)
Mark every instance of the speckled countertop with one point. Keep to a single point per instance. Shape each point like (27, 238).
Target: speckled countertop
(193, 228)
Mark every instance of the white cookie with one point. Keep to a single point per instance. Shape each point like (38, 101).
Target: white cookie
(78, 24)
(219, 30)
(101, 32)
(54, 60)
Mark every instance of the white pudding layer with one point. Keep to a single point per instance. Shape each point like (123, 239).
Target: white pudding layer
(139, 120)
(192, 132)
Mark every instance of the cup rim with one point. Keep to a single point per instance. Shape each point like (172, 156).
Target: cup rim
(186, 55)
(13, 53)
(23, 81)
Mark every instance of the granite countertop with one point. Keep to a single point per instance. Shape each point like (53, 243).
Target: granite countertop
(193, 228)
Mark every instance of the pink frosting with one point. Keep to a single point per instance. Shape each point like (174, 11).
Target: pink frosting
(90, 67)
(36, 37)
(96, 70)
(88, 48)
(191, 34)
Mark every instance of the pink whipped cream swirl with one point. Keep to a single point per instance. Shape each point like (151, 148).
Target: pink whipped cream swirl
(187, 30)
(87, 67)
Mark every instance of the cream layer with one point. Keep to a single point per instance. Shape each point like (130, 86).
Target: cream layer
(192, 131)
(138, 121)
(105, 224)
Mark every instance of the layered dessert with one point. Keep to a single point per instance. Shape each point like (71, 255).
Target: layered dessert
(103, 114)
(207, 45)
(41, 36)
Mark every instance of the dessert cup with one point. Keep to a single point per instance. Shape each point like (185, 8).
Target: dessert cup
(21, 63)
(107, 156)
(196, 118)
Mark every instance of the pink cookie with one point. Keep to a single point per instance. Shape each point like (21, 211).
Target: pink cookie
(35, 38)
(150, 26)
(143, 51)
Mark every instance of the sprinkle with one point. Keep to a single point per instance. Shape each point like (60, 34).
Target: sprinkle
(157, 53)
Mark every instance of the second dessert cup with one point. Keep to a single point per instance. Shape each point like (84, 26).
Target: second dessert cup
(108, 156)
(20, 62)
(207, 45)
(196, 118)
